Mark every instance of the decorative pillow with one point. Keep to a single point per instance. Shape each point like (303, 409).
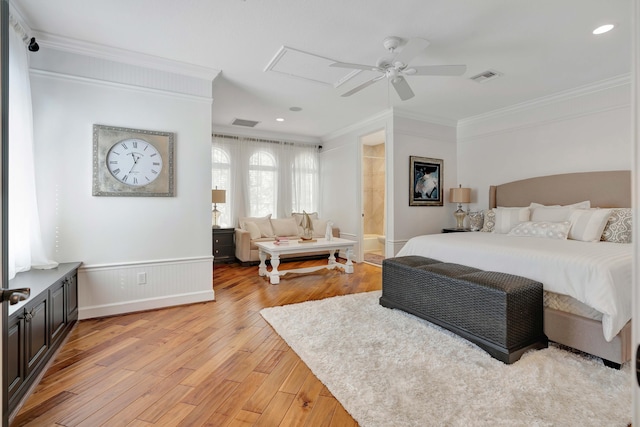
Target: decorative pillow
(476, 220)
(618, 228)
(263, 223)
(507, 218)
(298, 216)
(489, 221)
(284, 227)
(319, 227)
(587, 224)
(243, 220)
(252, 228)
(555, 213)
(542, 229)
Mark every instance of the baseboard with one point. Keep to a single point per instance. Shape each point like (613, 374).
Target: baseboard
(142, 305)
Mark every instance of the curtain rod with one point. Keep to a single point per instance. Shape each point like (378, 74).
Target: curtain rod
(270, 141)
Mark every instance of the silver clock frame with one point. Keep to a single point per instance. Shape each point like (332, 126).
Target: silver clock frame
(105, 184)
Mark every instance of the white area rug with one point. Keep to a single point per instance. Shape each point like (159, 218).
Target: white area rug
(388, 368)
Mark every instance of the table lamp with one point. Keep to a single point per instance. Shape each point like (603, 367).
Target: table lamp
(459, 195)
(217, 196)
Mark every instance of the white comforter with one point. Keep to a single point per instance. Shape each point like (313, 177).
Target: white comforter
(597, 274)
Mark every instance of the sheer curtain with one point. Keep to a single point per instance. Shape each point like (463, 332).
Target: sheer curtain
(25, 242)
(274, 177)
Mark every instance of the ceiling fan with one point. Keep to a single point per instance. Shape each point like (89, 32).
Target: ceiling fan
(396, 68)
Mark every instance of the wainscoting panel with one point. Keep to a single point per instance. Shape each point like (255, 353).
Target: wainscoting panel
(105, 290)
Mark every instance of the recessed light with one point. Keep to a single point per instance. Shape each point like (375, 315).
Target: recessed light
(279, 119)
(603, 29)
(295, 109)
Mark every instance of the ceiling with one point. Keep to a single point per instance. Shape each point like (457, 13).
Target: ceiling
(541, 47)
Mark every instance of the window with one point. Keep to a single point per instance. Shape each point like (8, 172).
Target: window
(304, 182)
(262, 189)
(221, 178)
(265, 177)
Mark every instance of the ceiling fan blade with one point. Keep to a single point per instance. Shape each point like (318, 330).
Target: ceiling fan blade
(402, 87)
(437, 70)
(411, 50)
(355, 66)
(363, 85)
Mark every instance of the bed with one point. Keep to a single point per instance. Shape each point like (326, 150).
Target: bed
(588, 284)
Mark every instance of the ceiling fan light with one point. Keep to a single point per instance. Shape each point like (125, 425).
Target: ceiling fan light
(603, 29)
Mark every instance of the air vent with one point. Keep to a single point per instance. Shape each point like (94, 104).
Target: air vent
(486, 76)
(245, 123)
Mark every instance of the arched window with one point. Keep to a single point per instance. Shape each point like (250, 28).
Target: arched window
(221, 178)
(304, 182)
(263, 181)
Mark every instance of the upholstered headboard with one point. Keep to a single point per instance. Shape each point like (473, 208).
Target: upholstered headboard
(608, 189)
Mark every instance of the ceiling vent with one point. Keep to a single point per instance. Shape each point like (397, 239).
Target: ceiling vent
(245, 123)
(485, 76)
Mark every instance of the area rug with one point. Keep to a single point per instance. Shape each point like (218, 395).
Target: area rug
(388, 368)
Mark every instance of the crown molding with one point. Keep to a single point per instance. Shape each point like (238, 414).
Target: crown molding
(65, 44)
(382, 115)
(543, 101)
(398, 112)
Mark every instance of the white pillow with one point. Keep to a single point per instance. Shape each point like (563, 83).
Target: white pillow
(243, 220)
(542, 229)
(507, 218)
(252, 228)
(319, 227)
(555, 213)
(284, 227)
(587, 224)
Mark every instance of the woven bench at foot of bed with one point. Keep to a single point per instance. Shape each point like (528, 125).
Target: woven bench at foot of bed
(499, 312)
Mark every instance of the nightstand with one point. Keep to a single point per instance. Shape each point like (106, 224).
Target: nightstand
(455, 230)
(224, 247)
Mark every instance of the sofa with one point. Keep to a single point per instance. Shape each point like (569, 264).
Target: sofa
(265, 229)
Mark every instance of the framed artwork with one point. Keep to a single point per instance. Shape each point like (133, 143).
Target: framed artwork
(132, 162)
(425, 181)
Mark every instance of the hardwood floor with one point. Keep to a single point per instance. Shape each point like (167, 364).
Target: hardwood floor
(216, 363)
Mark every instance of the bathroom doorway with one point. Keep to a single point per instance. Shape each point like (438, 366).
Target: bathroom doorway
(373, 197)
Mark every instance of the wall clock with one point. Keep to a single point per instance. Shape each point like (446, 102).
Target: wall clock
(132, 162)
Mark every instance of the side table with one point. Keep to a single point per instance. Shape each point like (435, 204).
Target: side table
(224, 247)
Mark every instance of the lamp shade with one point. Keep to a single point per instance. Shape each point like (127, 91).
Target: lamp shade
(218, 196)
(460, 195)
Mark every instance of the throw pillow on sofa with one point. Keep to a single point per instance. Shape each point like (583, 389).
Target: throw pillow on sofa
(319, 227)
(284, 227)
(252, 228)
(263, 223)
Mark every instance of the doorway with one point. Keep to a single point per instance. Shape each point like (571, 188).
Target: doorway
(373, 197)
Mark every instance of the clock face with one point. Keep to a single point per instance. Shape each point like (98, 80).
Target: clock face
(134, 162)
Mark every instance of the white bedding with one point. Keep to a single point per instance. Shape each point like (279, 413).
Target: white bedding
(597, 274)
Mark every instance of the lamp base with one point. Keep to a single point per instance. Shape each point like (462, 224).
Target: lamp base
(215, 214)
(459, 215)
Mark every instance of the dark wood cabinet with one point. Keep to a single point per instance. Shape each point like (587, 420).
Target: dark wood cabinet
(37, 326)
(224, 247)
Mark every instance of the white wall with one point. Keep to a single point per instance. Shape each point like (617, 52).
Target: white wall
(167, 238)
(405, 137)
(341, 175)
(413, 137)
(583, 130)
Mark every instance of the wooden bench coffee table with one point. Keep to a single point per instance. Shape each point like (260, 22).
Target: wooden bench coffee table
(294, 247)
